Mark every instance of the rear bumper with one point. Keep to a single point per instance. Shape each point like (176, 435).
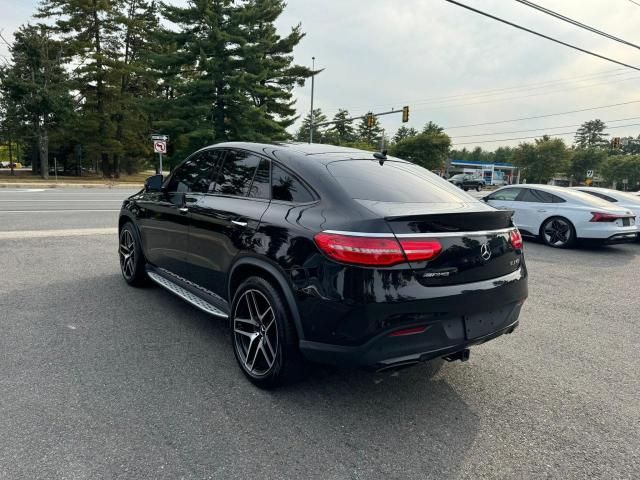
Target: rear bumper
(473, 314)
(388, 352)
(627, 237)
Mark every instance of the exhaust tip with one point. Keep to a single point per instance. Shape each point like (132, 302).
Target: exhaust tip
(462, 355)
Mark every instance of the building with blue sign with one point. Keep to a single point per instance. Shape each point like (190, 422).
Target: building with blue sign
(492, 173)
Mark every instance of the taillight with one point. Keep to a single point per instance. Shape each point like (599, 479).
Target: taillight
(515, 237)
(369, 251)
(606, 217)
(375, 251)
(420, 250)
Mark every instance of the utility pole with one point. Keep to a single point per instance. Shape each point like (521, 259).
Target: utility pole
(313, 77)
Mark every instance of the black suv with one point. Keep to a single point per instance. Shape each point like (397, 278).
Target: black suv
(327, 254)
(467, 181)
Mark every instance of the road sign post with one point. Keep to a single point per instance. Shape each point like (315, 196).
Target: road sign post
(160, 147)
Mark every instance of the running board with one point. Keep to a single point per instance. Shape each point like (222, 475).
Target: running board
(194, 300)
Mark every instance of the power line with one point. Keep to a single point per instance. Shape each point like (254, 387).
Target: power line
(634, 2)
(495, 91)
(535, 136)
(542, 116)
(575, 22)
(588, 52)
(540, 129)
(432, 107)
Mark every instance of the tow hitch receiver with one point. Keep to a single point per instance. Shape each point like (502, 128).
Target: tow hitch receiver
(462, 355)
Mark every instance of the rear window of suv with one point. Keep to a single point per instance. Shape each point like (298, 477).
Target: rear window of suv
(393, 182)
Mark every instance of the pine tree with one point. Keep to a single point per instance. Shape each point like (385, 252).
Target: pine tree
(34, 86)
(88, 28)
(370, 135)
(302, 135)
(591, 135)
(404, 132)
(226, 74)
(137, 20)
(343, 130)
(431, 127)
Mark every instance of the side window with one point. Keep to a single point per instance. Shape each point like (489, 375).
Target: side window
(557, 199)
(288, 188)
(236, 174)
(194, 175)
(261, 181)
(536, 196)
(508, 194)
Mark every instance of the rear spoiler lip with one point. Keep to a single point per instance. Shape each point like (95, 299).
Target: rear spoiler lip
(506, 211)
(479, 233)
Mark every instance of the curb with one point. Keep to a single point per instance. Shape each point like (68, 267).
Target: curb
(67, 185)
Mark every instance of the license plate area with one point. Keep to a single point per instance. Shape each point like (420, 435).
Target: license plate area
(481, 324)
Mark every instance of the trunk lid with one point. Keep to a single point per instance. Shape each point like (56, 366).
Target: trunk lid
(476, 245)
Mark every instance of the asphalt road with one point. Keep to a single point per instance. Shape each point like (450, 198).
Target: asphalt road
(101, 380)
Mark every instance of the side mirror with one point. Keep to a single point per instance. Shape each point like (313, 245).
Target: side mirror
(153, 183)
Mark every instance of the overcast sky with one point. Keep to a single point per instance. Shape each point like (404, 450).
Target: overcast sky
(456, 67)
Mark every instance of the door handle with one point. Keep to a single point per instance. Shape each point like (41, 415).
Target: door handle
(542, 210)
(183, 209)
(239, 223)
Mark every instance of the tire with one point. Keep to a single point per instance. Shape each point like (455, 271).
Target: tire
(558, 232)
(132, 262)
(263, 336)
(478, 188)
(466, 189)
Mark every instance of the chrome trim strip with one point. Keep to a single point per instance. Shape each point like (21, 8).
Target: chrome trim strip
(414, 235)
(479, 233)
(360, 234)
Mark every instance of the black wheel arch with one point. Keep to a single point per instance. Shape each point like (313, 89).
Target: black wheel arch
(245, 267)
(128, 217)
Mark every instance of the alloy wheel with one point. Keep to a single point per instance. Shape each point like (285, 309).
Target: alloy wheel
(557, 232)
(255, 332)
(127, 253)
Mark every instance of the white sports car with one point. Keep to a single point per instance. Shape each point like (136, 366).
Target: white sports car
(628, 200)
(560, 216)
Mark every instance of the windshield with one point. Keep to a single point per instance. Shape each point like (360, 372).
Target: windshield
(394, 182)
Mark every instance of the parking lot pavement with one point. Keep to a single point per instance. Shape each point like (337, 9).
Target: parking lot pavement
(101, 380)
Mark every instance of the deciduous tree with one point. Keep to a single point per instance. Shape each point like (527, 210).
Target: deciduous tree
(429, 150)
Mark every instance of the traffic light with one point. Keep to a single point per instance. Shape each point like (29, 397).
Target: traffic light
(615, 142)
(370, 120)
(405, 114)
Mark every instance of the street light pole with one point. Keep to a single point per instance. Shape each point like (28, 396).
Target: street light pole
(313, 76)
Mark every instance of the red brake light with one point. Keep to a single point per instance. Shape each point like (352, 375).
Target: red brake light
(370, 251)
(606, 217)
(375, 251)
(420, 250)
(515, 237)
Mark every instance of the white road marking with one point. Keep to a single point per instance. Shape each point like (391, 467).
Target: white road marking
(61, 200)
(54, 210)
(73, 232)
(23, 190)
